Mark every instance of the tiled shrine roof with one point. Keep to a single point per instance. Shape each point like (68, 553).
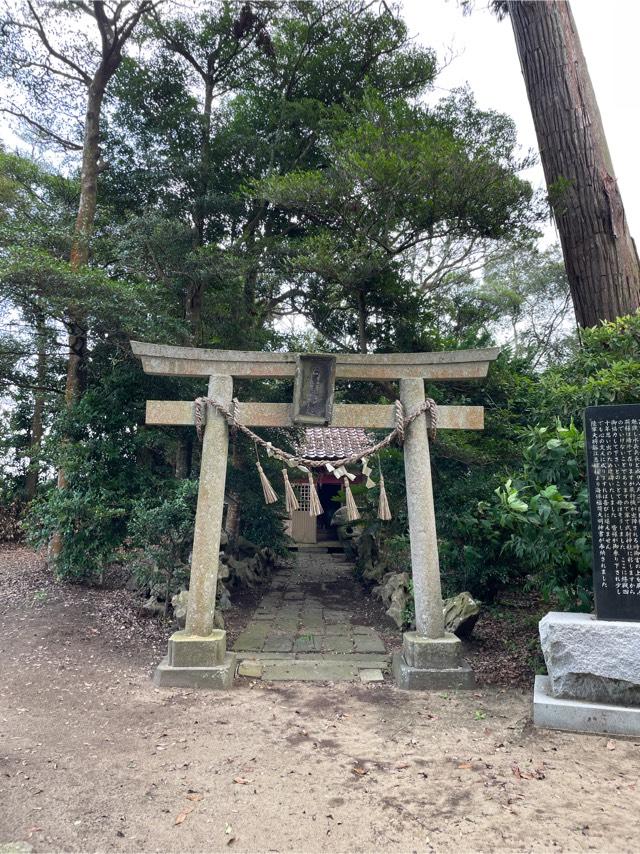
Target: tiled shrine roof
(333, 443)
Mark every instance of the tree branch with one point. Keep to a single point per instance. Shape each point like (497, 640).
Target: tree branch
(39, 29)
(65, 143)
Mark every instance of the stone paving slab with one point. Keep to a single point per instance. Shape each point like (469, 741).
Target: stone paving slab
(278, 643)
(334, 643)
(307, 643)
(368, 644)
(373, 674)
(321, 671)
(300, 629)
(362, 661)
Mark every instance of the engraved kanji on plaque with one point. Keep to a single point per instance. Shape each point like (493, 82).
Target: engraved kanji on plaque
(613, 468)
(313, 389)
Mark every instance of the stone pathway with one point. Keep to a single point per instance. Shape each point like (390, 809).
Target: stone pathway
(302, 630)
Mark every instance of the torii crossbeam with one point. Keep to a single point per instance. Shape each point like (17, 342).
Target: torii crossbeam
(198, 655)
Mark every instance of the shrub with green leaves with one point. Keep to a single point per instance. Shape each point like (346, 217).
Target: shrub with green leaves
(107, 461)
(162, 531)
(543, 515)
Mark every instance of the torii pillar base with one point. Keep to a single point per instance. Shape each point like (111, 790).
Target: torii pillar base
(196, 662)
(431, 664)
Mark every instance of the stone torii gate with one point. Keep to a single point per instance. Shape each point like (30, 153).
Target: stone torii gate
(197, 656)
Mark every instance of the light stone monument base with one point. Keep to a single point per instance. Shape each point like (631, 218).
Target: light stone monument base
(196, 662)
(594, 675)
(551, 712)
(431, 664)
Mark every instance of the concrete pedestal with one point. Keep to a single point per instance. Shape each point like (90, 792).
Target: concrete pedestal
(594, 675)
(593, 660)
(196, 662)
(552, 712)
(431, 664)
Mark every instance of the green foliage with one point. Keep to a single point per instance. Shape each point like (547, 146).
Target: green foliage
(530, 294)
(543, 516)
(109, 465)
(295, 169)
(534, 530)
(604, 370)
(262, 524)
(162, 530)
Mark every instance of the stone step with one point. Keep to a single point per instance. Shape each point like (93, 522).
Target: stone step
(311, 670)
(357, 659)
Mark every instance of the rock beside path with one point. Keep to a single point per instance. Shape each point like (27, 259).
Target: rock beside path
(461, 612)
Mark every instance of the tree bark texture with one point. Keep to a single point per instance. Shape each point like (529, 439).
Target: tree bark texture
(76, 325)
(600, 254)
(362, 322)
(37, 419)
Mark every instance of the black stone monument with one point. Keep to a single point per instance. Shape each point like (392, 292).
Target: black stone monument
(613, 468)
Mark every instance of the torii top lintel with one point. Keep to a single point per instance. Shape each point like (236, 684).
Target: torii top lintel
(195, 362)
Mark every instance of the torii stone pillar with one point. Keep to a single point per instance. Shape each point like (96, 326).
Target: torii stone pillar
(430, 658)
(198, 655)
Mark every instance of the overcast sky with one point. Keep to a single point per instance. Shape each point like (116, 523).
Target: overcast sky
(487, 60)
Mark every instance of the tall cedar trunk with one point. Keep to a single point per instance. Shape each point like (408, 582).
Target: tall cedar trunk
(76, 324)
(232, 520)
(600, 254)
(33, 472)
(194, 294)
(362, 322)
(184, 451)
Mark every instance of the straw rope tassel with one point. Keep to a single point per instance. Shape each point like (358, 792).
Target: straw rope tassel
(384, 512)
(290, 500)
(315, 508)
(269, 492)
(352, 510)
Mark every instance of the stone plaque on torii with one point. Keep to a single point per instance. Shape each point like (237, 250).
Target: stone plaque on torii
(197, 655)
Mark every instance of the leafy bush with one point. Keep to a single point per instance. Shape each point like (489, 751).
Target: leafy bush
(90, 524)
(163, 533)
(543, 516)
(105, 458)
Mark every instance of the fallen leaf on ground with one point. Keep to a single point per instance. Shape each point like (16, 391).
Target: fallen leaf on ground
(182, 815)
(536, 774)
(359, 771)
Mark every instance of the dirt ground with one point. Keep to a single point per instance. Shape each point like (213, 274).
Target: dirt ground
(93, 758)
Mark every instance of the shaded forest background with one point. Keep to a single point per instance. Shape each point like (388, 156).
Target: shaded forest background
(277, 178)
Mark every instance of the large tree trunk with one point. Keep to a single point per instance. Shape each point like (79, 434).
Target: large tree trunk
(194, 295)
(184, 450)
(37, 419)
(362, 322)
(600, 254)
(76, 325)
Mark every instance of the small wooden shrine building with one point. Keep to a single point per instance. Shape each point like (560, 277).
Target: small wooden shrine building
(323, 443)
